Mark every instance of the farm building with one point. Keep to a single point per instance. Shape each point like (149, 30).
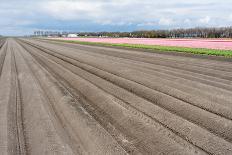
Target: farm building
(72, 35)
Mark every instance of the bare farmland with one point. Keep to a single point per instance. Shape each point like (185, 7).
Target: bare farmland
(59, 98)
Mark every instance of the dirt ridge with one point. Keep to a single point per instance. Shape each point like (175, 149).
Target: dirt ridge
(59, 98)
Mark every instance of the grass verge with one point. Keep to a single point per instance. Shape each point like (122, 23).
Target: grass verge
(202, 51)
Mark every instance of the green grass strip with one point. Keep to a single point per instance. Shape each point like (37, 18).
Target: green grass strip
(202, 51)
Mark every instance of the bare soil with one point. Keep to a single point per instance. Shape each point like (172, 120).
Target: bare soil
(60, 98)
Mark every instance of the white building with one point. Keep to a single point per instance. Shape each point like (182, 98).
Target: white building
(72, 35)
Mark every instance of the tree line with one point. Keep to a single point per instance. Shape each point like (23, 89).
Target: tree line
(223, 32)
(199, 32)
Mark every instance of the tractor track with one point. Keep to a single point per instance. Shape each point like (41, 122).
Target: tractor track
(19, 124)
(59, 98)
(3, 47)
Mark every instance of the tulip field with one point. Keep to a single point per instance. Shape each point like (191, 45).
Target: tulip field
(194, 43)
(220, 47)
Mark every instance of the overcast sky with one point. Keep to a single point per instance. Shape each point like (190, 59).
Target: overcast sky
(19, 17)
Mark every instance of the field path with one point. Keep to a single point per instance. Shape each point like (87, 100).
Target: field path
(60, 98)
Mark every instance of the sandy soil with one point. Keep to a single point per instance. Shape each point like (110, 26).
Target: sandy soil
(59, 98)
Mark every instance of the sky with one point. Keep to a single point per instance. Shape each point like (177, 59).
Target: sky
(22, 17)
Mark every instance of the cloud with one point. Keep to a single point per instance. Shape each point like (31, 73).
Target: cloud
(205, 20)
(147, 24)
(166, 21)
(72, 10)
(230, 17)
(110, 15)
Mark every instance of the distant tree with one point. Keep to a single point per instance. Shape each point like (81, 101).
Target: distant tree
(198, 32)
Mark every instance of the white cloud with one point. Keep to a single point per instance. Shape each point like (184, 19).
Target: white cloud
(72, 10)
(45, 14)
(166, 22)
(187, 21)
(205, 20)
(230, 17)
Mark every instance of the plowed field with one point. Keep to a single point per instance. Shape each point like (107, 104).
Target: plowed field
(60, 98)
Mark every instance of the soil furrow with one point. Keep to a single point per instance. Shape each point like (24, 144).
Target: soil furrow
(141, 56)
(2, 57)
(64, 98)
(179, 107)
(46, 56)
(5, 94)
(115, 112)
(202, 78)
(68, 108)
(187, 86)
(16, 144)
(19, 112)
(41, 135)
(105, 50)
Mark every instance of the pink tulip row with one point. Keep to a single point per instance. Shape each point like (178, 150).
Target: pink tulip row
(223, 44)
